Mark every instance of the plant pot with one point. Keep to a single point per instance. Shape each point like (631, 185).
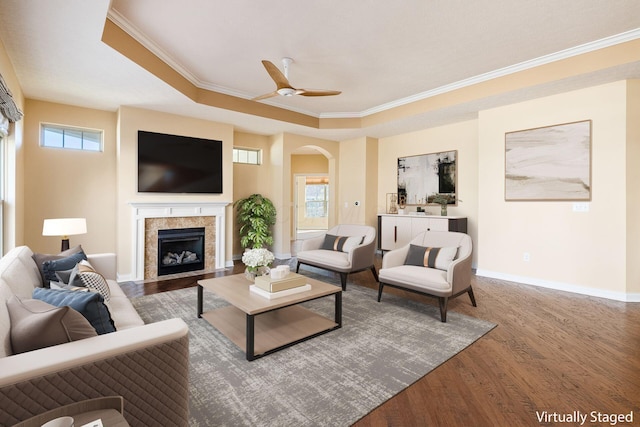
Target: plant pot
(443, 209)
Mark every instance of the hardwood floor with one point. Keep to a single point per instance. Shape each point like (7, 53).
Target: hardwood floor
(551, 351)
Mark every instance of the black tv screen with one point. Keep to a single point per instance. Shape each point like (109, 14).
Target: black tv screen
(178, 164)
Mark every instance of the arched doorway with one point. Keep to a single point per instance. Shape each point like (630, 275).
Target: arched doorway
(311, 192)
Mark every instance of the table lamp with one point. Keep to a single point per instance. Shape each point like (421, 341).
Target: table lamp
(64, 227)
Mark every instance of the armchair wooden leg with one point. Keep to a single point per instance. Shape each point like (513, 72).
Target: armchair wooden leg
(443, 308)
(380, 286)
(375, 273)
(298, 266)
(343, 281)
(473, 298)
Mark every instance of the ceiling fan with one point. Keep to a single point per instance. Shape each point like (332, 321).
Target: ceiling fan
(284, 88)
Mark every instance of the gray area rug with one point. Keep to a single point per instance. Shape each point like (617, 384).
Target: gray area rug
(331, 380)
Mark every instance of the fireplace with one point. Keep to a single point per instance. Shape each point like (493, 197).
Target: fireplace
(181, 250)
(150, 217)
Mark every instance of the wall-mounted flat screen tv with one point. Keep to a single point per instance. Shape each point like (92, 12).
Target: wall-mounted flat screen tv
(178, 164)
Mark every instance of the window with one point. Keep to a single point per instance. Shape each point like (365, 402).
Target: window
(72, 138)
(316, 195)
(247, 156)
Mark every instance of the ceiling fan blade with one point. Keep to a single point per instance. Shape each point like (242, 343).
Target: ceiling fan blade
(284, 88)
(314, 92)
(276, 75)
(265, 96)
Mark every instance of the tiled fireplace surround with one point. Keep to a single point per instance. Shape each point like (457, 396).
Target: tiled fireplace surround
(151, 217)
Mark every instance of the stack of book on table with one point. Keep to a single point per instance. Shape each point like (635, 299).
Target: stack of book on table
(270, 287)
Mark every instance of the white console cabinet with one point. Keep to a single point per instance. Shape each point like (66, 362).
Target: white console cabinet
(395, 231)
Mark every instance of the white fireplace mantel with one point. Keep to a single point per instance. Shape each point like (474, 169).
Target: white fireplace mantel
(143, 210)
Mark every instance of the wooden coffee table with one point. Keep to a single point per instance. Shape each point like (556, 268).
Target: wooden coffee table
(260, 326)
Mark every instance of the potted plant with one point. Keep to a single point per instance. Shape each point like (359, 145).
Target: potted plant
(443, 201)
(256, 216)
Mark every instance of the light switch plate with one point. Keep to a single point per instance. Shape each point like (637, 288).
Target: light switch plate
(581, 207)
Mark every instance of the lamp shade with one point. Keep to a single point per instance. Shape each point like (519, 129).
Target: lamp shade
(64, 226)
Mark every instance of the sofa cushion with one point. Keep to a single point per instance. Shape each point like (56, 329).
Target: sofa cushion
(19, 272)
(125, 315)
(341, 243)
(89, 304)
(60, 285)
(325, 258)
(36, 324)
(62, 276)
(5, 322)
(418, 278)
(85, 275)
(40, 259)
(422, 256)
(50, 267)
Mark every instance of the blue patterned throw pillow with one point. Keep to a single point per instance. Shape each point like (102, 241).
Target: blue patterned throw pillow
(90, 304)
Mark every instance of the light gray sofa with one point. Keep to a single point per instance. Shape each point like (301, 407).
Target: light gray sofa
(148, 365)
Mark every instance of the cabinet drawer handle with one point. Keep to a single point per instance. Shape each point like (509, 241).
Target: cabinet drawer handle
(395, 233)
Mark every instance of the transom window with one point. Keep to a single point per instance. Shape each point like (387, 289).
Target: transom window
(72, 138)
(247, 156)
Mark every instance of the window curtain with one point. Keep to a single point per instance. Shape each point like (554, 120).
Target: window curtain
(8, 107)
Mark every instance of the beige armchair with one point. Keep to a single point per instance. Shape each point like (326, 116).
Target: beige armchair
(343, 249)
(434, 263)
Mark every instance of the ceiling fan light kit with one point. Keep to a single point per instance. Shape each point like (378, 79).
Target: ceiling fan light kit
(286, 91)
(283, 87)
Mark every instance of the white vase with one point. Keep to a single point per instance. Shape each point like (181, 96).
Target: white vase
(251, 274)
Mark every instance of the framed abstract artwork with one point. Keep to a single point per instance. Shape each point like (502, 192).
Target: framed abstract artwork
(551, 163)
(428, 178)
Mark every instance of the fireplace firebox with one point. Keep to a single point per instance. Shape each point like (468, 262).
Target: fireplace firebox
(180, 250)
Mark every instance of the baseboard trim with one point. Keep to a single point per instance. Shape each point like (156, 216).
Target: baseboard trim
(559, 286)
(125, 278)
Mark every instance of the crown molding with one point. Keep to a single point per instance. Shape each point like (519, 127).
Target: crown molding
(130, 29)
(546, 59)
(141, 38)
(148, 43)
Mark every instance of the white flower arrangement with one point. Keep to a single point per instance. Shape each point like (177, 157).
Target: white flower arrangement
(254, 258)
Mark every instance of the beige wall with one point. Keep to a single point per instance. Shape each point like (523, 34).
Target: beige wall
(13, 167)
(371, 183)
(130, 120)
(633, 189)
(282, 148)
(309, 164)
(250, 179)
(359, 167)
(462, 137)
(62, 183)
(274, 179)
(585, 252)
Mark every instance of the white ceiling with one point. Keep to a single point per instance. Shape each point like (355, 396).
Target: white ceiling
(378, 53)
